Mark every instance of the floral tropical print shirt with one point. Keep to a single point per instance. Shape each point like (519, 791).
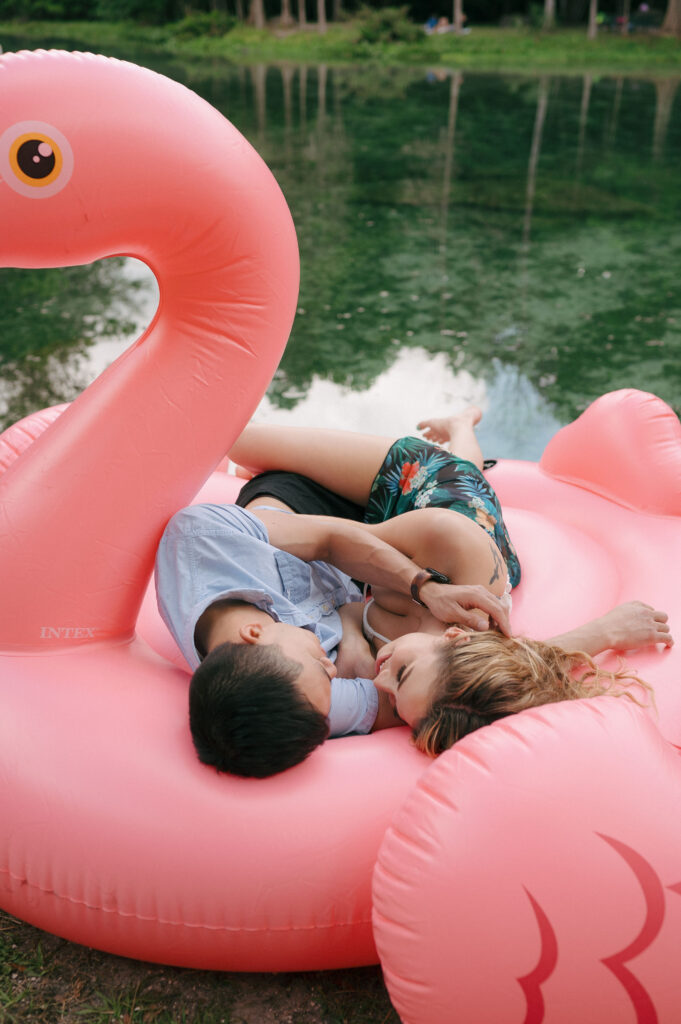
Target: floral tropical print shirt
(418, 474)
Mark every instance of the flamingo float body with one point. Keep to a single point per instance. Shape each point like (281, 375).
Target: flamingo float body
(111, 832)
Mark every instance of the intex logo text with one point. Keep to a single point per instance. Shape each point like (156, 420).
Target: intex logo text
(68, 632)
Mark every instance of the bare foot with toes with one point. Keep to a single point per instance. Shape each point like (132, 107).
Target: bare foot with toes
(442, 430)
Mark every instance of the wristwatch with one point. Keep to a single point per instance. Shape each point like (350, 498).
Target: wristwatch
(425, 576)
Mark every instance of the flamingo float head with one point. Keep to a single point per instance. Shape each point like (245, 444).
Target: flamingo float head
(99, 157)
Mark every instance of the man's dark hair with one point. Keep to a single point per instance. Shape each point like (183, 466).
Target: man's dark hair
(246, 714)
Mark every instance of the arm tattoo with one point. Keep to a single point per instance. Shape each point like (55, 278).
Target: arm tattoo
(498, 564)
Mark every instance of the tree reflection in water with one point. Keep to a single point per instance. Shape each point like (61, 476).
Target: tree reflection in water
(521, 229)
(54, 319)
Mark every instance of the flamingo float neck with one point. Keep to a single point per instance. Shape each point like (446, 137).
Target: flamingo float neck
(98, 158)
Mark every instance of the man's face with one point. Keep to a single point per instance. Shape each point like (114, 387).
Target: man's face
(302, 646)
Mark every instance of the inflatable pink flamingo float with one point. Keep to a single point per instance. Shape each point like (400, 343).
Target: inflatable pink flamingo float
(111, 832)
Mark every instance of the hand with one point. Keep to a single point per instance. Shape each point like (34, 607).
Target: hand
(636, 624)
(465, 605)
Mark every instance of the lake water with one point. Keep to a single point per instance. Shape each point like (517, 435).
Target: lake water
(512, 241)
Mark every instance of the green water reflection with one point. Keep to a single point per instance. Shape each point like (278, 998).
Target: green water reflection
(522, 231)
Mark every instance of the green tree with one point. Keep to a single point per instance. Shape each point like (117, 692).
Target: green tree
(286, 19)
(549, 14)
(257, 13)
(44, 10)
(321, 16)
(151, 12)
(672, 19)
(457, 18)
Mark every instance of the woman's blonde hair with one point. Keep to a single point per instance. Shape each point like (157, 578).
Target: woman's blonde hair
(486, 676)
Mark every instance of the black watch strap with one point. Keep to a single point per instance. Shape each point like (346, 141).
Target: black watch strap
(426, 575)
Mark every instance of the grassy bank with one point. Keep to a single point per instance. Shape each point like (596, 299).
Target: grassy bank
(46, 980)
(484, 48)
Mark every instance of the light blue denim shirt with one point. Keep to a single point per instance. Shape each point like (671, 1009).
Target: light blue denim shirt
(212, 552)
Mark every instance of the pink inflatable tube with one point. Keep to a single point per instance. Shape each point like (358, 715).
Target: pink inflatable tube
(111, 832)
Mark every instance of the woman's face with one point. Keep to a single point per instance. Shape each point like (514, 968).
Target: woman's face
(407, 669)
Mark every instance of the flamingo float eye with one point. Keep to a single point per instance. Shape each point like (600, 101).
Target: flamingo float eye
(36, 160)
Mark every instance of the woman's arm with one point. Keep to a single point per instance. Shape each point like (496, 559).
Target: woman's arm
(625, 627)
(451, 543)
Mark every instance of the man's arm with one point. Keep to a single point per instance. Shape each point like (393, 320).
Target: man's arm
(362, 552)
(625, 627)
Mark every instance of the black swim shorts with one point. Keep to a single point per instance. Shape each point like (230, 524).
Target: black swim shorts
(300, 493)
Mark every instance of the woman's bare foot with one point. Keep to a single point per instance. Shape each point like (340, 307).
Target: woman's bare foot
(444, 429)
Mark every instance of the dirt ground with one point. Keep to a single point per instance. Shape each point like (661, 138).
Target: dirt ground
(47, 979)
